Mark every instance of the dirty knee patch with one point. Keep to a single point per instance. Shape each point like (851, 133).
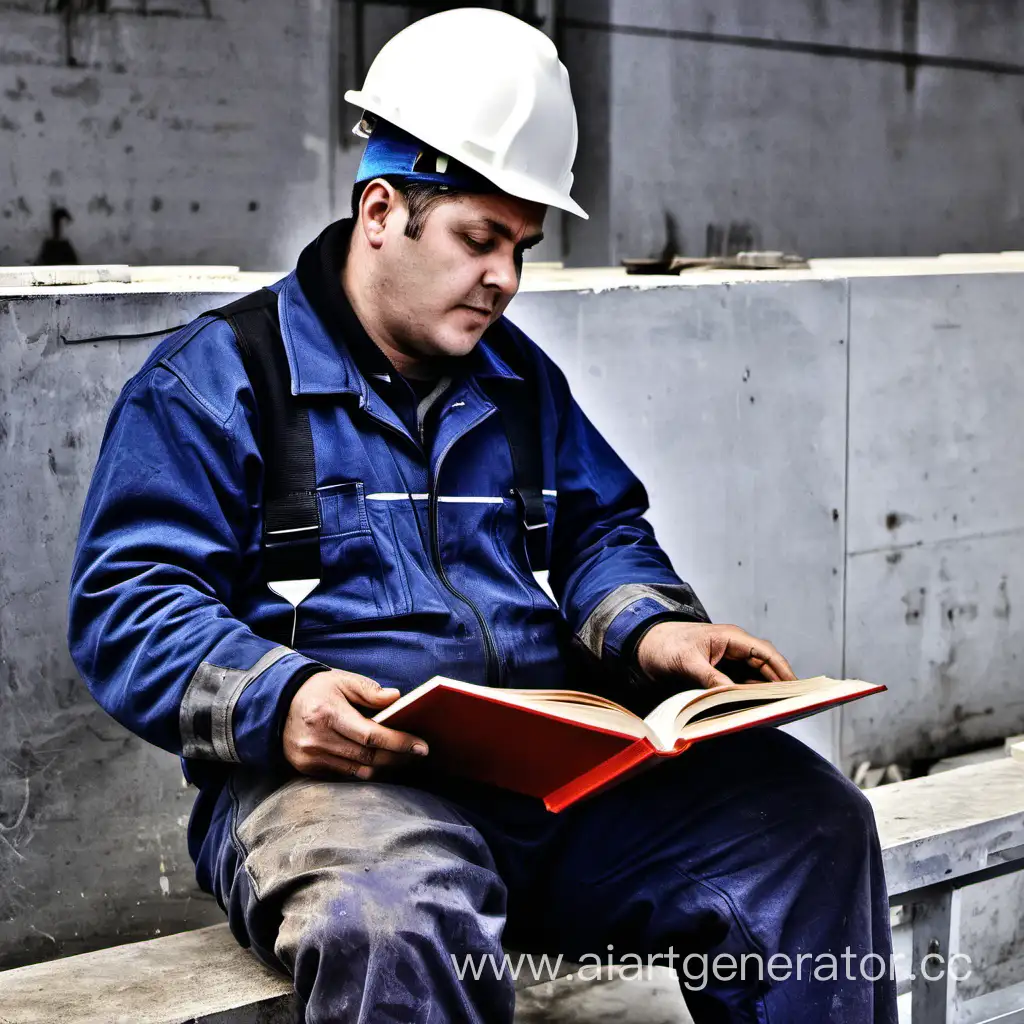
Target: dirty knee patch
(312, 830)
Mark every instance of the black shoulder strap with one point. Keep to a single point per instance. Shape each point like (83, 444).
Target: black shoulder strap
(519, 406)
(291, 517)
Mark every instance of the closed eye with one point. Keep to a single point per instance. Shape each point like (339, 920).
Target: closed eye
(476, 246)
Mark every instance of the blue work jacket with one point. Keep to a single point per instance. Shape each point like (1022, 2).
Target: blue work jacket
(179, 640)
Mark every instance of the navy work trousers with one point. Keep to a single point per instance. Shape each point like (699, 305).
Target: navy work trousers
(371, 894)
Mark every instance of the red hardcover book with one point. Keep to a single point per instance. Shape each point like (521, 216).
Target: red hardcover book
(562, 745)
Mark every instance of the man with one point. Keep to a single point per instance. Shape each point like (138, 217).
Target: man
(339, 855)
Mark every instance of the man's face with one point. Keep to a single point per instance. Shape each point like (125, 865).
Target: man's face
(443, 289)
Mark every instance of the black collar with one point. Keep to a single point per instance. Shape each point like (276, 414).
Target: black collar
(319, 272)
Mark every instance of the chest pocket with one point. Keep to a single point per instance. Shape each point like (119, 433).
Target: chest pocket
(360, 580)
(370, 553)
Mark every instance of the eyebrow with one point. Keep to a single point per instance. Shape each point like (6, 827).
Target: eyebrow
(506, 232)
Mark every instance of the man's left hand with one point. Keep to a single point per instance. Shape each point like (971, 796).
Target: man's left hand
(691, 652)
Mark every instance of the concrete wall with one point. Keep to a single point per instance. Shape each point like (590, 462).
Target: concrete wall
(92, 822)
(184, 131)
(818, 447)
(212, 131)
(795, 125)
(936, 513)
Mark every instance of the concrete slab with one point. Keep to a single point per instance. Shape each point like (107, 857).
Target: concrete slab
(933, 406)
(180, 132)
(204, 977)
(938, 625)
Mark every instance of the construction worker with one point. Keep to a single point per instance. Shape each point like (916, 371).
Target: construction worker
(224, 610)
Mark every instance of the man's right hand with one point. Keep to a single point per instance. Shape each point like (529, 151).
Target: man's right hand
(325, 734)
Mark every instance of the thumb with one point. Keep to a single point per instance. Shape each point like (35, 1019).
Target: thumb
(368, 691)
(712, 677)
(701, 671)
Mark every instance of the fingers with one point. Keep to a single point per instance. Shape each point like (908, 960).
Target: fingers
(327, 766)
(348, 749)
(336, 758)
(773, 662)
(760, 655)
(372, 756)
(775, 666)
(760, 661)
(692, 651)
(364, 732)
(787, 673)
(715, 678)
(326, 732)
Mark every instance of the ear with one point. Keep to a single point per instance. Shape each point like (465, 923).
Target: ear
(379, 201)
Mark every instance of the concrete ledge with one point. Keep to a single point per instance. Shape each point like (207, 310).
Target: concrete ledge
(26, 282)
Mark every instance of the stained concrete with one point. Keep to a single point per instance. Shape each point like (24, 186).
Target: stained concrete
(797, 126)
(203, 977)
(936, 513)
(189, 131)
(91, 821)
(214, 130)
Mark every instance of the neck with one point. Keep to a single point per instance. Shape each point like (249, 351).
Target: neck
(359, 288)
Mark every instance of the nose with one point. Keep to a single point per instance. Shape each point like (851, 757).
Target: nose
(501, 274)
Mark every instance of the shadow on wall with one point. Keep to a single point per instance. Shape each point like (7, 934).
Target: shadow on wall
(57, 251)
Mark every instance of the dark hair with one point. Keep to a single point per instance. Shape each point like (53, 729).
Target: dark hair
(420, 197)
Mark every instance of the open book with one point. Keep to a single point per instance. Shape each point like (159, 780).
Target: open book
(562, 745)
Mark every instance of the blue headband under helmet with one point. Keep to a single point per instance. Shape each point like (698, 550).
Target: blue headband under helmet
(392, 151)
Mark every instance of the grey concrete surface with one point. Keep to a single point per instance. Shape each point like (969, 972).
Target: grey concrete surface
(91, 821)
(943, 827)
(214, 131)
(721, 118)
(189, 131)
(936, 546)
(936, 513)
(203, 977)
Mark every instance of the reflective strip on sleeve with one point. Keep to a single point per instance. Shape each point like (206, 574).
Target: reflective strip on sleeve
(209, 703)
(595, 629)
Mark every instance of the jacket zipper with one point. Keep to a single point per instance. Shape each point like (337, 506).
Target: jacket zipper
(492, 667)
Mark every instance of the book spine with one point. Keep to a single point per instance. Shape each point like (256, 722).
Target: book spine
(599, 777)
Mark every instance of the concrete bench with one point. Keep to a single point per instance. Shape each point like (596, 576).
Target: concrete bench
(938, 833)
(194, 977)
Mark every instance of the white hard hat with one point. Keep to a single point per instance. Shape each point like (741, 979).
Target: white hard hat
(488, 90)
